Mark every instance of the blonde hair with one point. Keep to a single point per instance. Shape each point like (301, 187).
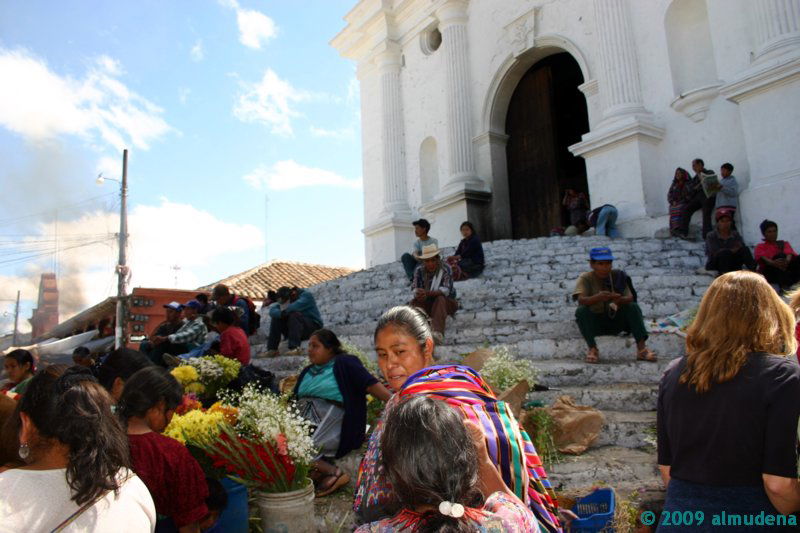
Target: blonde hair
(740, 314)
(794, 300)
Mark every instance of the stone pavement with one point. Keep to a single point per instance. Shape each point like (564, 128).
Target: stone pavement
(523, 300)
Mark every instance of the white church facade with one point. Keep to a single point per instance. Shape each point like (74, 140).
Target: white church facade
(488, 110)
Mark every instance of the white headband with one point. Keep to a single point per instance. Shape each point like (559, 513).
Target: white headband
(456, 510)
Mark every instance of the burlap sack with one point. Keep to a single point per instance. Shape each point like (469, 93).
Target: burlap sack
(478, 358)
(576, 427)
(515, 396)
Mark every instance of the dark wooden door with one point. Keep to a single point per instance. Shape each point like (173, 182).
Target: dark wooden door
(546, 114)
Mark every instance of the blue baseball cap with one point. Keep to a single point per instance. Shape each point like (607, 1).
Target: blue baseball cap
(602, 253)
(175, 306)
(194, 304)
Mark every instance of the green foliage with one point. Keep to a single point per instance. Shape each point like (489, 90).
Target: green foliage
(541, 427)
(504, 369)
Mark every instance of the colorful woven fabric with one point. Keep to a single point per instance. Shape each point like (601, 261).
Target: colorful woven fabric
(509, 446)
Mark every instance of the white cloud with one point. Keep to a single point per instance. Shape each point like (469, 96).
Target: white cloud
(197, 53)
(289, 174)
(87, 273)
(338, 134)
(38, 104)
(255, 28)
(271, 102)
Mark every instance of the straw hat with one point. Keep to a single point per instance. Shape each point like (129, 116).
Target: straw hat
(429, 250)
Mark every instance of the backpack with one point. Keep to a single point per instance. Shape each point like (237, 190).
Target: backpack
(620, 279)
(255, 318)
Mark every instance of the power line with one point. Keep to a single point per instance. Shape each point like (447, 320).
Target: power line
(50, 252)
(67, 207)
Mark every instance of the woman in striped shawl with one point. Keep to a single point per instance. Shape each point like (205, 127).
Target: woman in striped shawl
(404, 345)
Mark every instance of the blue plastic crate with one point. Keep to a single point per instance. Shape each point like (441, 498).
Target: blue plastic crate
(595, 512)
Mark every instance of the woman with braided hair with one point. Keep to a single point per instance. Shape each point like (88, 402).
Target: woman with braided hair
(442, 475)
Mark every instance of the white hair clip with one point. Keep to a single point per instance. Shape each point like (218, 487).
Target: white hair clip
(456, 510)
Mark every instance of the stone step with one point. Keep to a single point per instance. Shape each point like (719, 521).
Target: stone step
(629, 429)
(619, 349)
(564, 372)
(614, 397)
(615, 466)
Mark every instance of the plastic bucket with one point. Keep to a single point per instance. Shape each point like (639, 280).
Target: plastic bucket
(235, 517)
(287, 512)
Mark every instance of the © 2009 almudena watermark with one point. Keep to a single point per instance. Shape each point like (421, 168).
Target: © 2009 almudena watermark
(721, 519)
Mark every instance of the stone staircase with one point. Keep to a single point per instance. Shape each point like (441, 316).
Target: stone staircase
(523, 300)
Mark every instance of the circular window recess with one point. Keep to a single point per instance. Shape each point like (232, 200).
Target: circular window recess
(431, 40)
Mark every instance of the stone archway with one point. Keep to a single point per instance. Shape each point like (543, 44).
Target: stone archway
(569, 70)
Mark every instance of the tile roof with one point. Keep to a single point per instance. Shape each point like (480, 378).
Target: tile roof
(255, 283)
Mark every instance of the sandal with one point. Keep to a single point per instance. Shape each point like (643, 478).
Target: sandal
(593, 356)
(646, 354)
(340, 479)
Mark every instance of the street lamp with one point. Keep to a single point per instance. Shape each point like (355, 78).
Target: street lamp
(122, 269)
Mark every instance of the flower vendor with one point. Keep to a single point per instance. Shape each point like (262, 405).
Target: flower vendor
(404, 344)
(331, 394)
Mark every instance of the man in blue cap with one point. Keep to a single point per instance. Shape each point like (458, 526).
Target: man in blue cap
(606, 306)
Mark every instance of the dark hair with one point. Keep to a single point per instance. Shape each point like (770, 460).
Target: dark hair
(76, 411)
(223, 315)
(728, 166)
(329, 340)
(21, 357)
(81, 351)
(422, 223)
(272, 295)
(121, 363)
(700, 161)
(766, 224)
(429, 457)
(412, 320)
(220, 290)
(468, 224)
(283, 293)
(202, 298)
(217, 497)
(147, 388)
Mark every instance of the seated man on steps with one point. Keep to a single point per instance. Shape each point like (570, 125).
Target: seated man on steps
(433, 291)
(606, 306)
(294, 315)
(411, 261)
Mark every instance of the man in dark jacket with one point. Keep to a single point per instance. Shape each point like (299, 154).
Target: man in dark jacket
(294, 315)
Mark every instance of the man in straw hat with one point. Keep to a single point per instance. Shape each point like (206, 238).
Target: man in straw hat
(432, 287)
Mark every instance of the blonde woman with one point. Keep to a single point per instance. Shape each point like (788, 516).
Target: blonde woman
(728, 411)
(794, 303)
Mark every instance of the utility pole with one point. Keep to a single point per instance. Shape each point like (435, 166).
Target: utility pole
(16, 321)
(122, 269)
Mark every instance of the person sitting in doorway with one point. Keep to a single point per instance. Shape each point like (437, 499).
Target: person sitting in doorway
(606, 306)
(153, 348)
(725, 249)
(678, 196)
(468, 261)
(576, 204)
(697, 200)
(777, 261)
(603, 219)
(294, 315)
(411, 261)
(433, 291)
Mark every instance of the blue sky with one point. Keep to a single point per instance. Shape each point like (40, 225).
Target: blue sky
(221, 103)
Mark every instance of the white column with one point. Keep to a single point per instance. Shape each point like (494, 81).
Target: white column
(777, 25)
(453, 26)
(395, 195)
(620, 89)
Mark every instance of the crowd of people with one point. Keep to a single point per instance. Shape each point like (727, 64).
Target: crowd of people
(81, 447)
